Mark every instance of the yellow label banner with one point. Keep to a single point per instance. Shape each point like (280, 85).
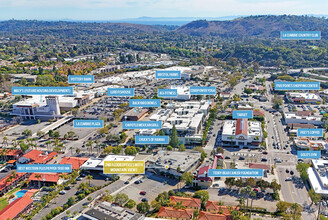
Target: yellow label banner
(124, 167)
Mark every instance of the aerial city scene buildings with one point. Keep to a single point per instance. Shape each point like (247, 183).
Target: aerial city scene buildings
(218, 116)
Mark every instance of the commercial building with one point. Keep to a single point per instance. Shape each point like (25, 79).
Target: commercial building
(110, 211)
(242, 133)
(16, 208)
(49, 107)
(134, 114)
(169, 163)
(310, 144)
(10, 154)
(318, 177)
(76, 162)
(187, 118)
(302, 98)
(97, 164)
(37, 157)
(46, 179)
(302, 117)
(6, 186)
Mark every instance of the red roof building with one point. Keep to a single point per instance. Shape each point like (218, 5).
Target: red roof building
(49, 179)
(76, 162)
(241, 127)
(6, 185)
(169, 212)
(213, 207)
(257, 112)
(37, 157)
(259, 166)
(192, 203)
(211, 216)
(14, 209)
(10, 154)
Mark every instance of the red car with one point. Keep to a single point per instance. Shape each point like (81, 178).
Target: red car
(143, 193)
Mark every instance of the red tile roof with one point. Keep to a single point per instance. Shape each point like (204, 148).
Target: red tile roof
(169, 212)
(213, 205)
(11, 152)
(257, 112)
(39, 157)
(202, 170)
(15, 208)
(3, 182)
(242, 126)
(210, 216)
(187, 202)
(259, 166)
(49, 177)
(76, 162)
(303, 113)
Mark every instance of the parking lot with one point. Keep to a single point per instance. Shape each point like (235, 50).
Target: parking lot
(230, 196)
(152, 185)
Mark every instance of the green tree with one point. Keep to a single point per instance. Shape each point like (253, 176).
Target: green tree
(202, 194)
(27, 132)
(143, 207)
(188, 178)
(121, 198)
(182, 147)
(130, 204)
(174, 140)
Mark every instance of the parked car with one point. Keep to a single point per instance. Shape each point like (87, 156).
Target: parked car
(62, 192)
(126, 182)
(264, 159)
(291, 172)
(144, 200)
(67, 188)
(288, 179)
(79, 178)
(142, 193)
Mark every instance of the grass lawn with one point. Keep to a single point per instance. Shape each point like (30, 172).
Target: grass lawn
(3, 203)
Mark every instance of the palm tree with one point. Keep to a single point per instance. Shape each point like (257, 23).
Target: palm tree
(241, 201)
(38, 176)
(252, 194)
(89, 177)
(178, 205)
(48, 144)
(5, 140)
(90, 146)
(248, 190)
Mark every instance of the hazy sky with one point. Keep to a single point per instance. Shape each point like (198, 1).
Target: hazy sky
(117, 9)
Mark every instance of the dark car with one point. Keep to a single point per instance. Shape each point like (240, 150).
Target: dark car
(137, 182)
(144, 200)
(287, 171)
(227, 157)
(264, 152)
(126, 182)
(67, 188)
(241, 158)
(291, 172)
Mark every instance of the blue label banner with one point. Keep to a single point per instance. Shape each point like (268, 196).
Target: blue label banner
(88, 123)
(202, 90)
(296, 85)
(44, 168)
(309, 154)
(300, 35)
(167, 93)
(120, 92)
(236, 114)
(42, 90)
(235, 173)
(81, 79)
(168, 74)
(151, 139)
(142, 125)
(309, 132)
(147, 103)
